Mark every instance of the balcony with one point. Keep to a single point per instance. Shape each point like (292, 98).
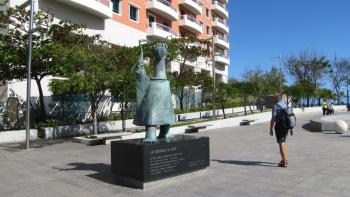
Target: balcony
(191, 24)
(164, 8)
(156, 30)
(222, 58)
(221, 25)
(221, 41)
(220, 9)
(195, 6)
(94, 7)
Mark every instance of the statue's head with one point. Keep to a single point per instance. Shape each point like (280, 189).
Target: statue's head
(160, 50)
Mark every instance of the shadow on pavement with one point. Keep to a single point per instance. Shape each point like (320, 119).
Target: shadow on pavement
(308, 127)
(103, 171)
(17, 147)
(247, 163)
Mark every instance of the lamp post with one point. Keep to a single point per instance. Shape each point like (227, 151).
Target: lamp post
(347, 91)
(214, 76)
(29, 65)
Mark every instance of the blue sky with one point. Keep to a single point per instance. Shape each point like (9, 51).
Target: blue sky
(261, 29)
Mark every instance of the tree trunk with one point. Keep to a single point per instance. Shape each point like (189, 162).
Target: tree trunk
(223, 107)
(41, 100)
(124, 113)
(308, 101)
(250, 108)
(181, 97)
(260, 105)
(94, 116)
(319, 101)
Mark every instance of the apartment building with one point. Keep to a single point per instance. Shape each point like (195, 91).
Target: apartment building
(125, 22)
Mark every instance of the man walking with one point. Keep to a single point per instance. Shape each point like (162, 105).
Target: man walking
(325, 107)
(281, 130)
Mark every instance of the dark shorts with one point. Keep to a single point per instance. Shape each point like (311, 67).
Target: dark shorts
(281, 134)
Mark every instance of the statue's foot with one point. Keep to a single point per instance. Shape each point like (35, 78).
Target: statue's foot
(151, 136)
(149, 140)
(164, 132)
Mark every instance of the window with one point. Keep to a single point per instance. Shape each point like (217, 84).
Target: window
(116, 6)
(208, 30)
(207, 12)
(134, 13)
(151, 20)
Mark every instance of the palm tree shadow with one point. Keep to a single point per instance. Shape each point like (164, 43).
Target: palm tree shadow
(102, 172)
(246, 163)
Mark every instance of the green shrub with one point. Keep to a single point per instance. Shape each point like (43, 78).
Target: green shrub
(207, 107)
(48, 123)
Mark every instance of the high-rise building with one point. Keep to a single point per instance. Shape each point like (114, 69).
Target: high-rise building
(125, 22)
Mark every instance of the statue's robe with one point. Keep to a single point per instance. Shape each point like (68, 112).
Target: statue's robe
(153, 100)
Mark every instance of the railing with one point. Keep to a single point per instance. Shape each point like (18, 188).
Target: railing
(220, 4)
(190, 18)
(198, 2)
(220, 37)
(167, 3)
(221, 55)
(221, 21)
(162, 27)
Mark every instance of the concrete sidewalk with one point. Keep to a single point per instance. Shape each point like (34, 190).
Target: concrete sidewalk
(243, 163)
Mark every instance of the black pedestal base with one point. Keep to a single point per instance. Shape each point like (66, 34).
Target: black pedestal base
(137, 163)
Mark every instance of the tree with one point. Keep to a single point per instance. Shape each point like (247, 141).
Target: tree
(224, 92)
(263, 83)
(96, 71)
(307, 69)
(244, 91)
(293, 93)
(123, 85)
(339, 74)
(48, 51)
(324, 93)
(186, 50)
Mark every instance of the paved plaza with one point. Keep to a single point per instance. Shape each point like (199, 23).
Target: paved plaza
(243, 163)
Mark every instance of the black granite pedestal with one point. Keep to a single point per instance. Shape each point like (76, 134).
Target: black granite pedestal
(136, 163)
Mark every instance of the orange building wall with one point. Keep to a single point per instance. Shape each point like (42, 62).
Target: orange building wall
(142, 25)
(124, 16)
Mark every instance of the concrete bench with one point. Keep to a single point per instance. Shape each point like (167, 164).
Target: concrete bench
(108, 137)
(195, 129)
(247, 122)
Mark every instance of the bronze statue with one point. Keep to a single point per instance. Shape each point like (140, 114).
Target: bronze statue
(153, 97)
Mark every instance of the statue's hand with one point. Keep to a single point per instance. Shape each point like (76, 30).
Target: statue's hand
(140, 58)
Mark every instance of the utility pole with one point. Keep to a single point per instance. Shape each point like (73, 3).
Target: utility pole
(29, 65)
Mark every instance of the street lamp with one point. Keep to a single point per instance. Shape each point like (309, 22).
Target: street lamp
(29, 65)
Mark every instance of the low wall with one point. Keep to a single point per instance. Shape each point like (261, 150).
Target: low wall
(83, 129)
(17, 136)
(208, 113)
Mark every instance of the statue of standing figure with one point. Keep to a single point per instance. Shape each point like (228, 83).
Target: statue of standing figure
(153, 97)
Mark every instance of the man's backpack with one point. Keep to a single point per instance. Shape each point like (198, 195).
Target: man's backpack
(286, 118)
